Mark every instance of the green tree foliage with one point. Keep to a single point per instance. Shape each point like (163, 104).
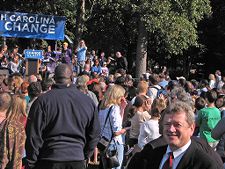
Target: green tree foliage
(174, 23)
(171, 26)
(158, 28)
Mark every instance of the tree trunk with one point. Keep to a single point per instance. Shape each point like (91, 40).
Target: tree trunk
(80, 19)
(141, 56)
(187, 66)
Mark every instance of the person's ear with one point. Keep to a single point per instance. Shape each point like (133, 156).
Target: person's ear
(192, 127)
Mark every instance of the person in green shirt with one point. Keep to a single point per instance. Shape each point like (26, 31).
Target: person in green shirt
(208, 117)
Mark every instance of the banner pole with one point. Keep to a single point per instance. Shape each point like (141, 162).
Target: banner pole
(4, 40)
(55, 45)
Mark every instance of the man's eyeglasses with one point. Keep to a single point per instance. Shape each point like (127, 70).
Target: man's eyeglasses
(175, 125)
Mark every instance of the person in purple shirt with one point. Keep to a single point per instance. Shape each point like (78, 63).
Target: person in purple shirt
(57, 54)
(66, 54)
(49, 52)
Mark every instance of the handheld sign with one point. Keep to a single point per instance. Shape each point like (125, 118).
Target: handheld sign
(33, 54)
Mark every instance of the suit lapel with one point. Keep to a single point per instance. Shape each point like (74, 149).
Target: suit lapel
(186, 160)
(157, 156)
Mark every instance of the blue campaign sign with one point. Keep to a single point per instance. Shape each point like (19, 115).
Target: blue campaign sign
(33, 54)
(26, 25)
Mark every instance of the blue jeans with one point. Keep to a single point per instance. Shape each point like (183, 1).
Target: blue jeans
(120, 150)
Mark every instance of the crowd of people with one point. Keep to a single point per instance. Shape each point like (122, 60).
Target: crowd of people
(55, 119)
(79, 60)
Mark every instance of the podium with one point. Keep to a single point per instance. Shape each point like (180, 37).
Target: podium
(32, 61)
(32, 66)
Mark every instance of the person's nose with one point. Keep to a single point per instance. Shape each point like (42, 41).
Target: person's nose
(171, 128)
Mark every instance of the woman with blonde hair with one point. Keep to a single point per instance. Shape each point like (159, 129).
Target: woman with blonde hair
(113, 105)
(17, 82)
(12, 133)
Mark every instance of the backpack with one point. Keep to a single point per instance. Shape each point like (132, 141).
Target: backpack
(159, 91)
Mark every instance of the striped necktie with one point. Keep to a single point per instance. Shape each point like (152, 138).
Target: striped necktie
(169, 162)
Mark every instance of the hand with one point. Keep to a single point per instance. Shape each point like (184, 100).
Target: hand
(123, 103)
(123, 131)
(163, 97)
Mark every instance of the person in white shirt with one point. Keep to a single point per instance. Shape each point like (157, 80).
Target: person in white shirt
(149, 130)
(212, 81)
(14, 65)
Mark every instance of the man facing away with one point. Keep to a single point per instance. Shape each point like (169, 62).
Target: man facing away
(62, 128)
(208, 118)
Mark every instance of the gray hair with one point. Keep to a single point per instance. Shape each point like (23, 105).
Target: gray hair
(179, 94)
(81, 83)
(179, 106)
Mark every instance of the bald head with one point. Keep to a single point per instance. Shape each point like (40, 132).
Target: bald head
(32, 78)
(63, 74)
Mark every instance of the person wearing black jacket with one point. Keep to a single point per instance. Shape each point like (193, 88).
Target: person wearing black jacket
(197, 156)
(62, 128)
(144, 159)
(121, 62)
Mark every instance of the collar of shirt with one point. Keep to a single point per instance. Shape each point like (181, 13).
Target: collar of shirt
(179, 151)
(177, 154)
(62, 86)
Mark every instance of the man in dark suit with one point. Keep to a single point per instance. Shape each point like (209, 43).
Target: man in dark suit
(187, 153)
(121, 61)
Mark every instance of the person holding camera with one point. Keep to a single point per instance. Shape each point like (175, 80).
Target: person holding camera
(81, 55)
